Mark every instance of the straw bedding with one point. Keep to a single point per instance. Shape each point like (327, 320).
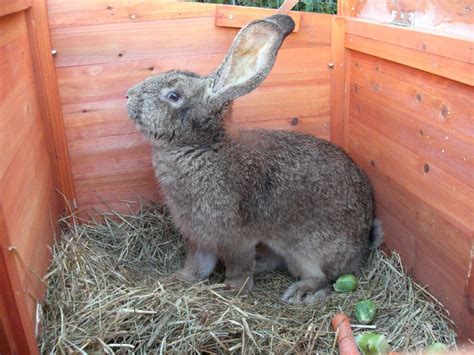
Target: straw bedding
(111, 289)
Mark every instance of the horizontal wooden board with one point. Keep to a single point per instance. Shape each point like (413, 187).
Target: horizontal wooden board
(111, 81)
(431, 63)
(422, 178)
(103, 144)
(160, 39)
(103, 191)
(443, 103)
(443, 45)
(447, 142)
(316, 126)
(74, 13)
(12, 27)
(455, 17)
(436, 253)
(239, 16)
(12, 6)
(430, 144)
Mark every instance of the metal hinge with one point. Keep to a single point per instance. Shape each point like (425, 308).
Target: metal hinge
(403, 18)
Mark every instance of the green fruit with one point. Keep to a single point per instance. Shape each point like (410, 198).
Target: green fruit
(435, 348)
(345, 283)
(365, 311)
(372, 344)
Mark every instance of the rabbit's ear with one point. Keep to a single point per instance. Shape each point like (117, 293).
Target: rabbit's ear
(251, 57)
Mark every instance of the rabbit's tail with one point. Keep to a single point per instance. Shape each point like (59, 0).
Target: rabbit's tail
(376, 234)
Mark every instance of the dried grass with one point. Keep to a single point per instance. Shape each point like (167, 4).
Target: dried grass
(110, 290)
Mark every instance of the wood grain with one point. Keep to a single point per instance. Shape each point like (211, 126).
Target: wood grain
(420, 96)
(412, 132)
(239, 16)
(8, 7)
(435, 252)
(337, 80)
(455, 16)
(74, 13)
(443, 45)
(15, 322)
(435, 187)
(29, 204)
(12, 27)
(48, 99)
(164, 39)
(93, 79)
(431, 63)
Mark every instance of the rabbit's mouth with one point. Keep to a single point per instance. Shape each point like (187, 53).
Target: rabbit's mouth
(133, 108)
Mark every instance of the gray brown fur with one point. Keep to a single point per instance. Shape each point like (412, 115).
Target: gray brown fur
(254, 199)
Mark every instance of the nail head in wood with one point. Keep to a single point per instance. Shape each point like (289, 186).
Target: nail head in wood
(54, 52)
(331, 66)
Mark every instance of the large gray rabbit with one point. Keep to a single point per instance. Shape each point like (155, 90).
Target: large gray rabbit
(254, 199)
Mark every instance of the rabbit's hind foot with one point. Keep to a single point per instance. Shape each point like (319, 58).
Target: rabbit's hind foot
(307, 291)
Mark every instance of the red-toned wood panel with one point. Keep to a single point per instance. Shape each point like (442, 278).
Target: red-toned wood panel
(434, 251)
(8, 7)
(29, 205)
(16, 326)
(110, 159)
(412, 132)
(338, 73)
(167, 38)
(74, 13)
(455, 16)
(239, 16)
(441, 125)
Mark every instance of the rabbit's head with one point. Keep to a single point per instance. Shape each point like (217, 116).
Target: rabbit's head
(186, 108)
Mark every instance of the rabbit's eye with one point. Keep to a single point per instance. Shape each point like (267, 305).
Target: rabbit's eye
(173, 96)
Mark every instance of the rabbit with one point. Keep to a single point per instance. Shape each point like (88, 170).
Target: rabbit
(252, 198)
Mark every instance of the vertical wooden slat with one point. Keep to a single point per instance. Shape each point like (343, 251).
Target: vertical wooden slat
(346, 8)
(16, 322)
(48, 96)
(347, 88)
(337, 80)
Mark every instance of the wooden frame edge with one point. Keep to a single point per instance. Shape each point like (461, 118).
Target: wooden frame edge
(16, 323)
(49, 100)
(338, 69)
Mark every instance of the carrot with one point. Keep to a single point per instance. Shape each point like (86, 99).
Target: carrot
(286, 7)
(345, 340)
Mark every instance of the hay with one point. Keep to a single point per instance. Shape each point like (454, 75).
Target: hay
(110, 290)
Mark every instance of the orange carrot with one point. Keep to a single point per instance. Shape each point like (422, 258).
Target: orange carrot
(345, 340)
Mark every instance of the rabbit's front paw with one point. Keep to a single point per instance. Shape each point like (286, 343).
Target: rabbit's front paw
(306, 291)
(239, 282)
(187, 275)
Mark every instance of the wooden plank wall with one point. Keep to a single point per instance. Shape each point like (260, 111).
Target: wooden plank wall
(409, 122)
(104, 47)
(453, 17)
(29, 173)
